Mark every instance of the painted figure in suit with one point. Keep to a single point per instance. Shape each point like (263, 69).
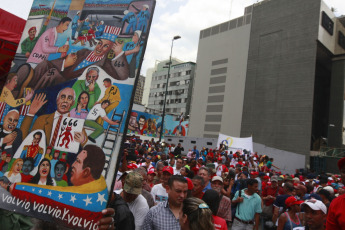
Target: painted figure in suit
(10, 136)
(49, 122)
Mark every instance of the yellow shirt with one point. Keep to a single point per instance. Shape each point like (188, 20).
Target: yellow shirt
(7, 97)
(112, 94)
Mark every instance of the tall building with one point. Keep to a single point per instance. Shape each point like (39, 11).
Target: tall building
(179, 88)
(276, 73)
(139, 90)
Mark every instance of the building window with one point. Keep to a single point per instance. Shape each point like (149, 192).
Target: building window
(188, 72)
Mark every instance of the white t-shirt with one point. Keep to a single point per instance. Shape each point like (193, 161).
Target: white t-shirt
(176, 171)
(139, 209)
(95, 112)
(159, 193)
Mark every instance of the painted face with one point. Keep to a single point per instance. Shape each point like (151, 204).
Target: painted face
(84, 99)
(65, 100)
(27, 167)
(141, 122)
(77, 168)
(132, 120)
(8, 159)
(44, 169)
(91, 76)
(32, 34)
(59, 171)
(104, 105)
(107, 84)
(11, 121)
(103, 47)
(36, 140)
(12, 83)
(18, 167)
(135, 38)
(62, 27)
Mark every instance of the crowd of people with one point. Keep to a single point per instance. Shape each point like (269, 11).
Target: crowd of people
(158, 187)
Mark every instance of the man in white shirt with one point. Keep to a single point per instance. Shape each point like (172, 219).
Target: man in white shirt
(131, 193)
(178, 167)
(98, 111)
(158, 191)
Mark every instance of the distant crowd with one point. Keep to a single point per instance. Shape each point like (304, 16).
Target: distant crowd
(161, 188)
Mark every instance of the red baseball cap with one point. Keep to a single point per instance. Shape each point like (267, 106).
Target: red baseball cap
(168, 169)
(152, 171)
(190, 183)
(132, 166)
(292, 201)
(341, 163)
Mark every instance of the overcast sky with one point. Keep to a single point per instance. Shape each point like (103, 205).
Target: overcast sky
(177, 17)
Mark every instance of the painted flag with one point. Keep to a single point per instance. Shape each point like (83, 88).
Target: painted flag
(76, 206)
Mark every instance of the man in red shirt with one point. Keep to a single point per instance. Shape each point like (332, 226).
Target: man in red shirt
(336, 214)
(269, 194)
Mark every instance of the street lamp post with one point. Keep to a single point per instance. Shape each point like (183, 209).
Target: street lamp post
(166, 87)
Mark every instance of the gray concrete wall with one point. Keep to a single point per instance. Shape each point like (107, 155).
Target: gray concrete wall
(278, 101)
(288, 162)
(219, 83)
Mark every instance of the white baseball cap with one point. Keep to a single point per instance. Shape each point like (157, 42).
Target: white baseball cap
(315, 205)
(217, 178)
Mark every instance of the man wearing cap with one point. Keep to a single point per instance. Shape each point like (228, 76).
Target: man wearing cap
(336, 214)
(131, 193)
(158, 191)
(132, 47)
(131, 20)
(221, 168)
(269, 195)
(248, 210)
(315, 215)
(75, 24)
(143, 17)
(50, 73)
(29, 43)
(279, 203)
(224, 210)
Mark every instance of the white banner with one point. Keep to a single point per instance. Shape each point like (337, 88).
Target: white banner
(235, 143)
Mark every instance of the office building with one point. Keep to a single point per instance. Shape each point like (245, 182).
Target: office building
(179, 88)
(139, 90)
(276, 73)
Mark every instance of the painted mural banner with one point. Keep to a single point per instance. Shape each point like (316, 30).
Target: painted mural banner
(65, 104)
(235, 144)
(147, 124)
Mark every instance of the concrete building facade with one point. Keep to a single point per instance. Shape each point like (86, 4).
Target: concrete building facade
(179, 88)
(139, 90)
(281, 77)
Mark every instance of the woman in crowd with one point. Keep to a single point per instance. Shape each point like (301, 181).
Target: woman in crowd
(212, 199)
(14, 175)
(43, 176)
(195, 215)
(81, 110)
(292, 218)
